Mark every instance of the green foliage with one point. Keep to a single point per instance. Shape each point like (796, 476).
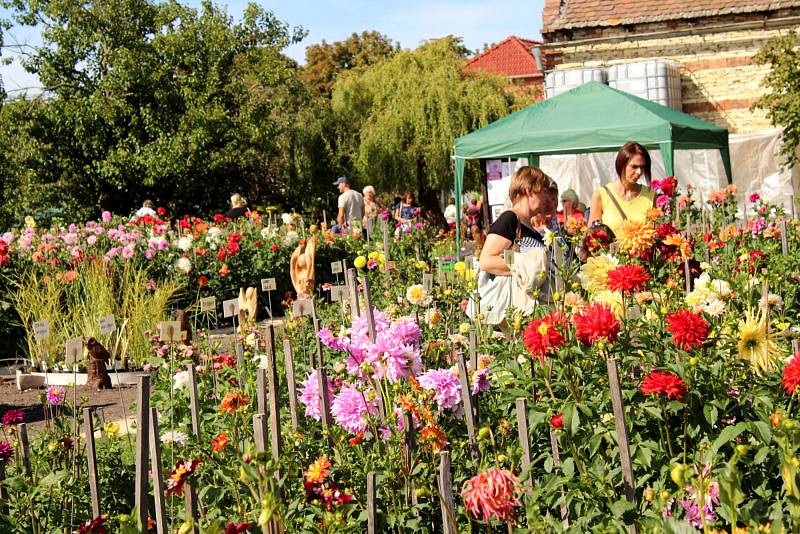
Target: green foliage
(782, 100)
(399, 118)
(156, 100)
(325, 61)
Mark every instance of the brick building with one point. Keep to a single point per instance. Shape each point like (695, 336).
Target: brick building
(713, 40)
(513, 59)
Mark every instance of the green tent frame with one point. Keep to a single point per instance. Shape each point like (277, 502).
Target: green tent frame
(590, 118)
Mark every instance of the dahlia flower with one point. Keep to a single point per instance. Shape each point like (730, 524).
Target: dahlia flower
(492, 495)
(688, 329)
(663, 383)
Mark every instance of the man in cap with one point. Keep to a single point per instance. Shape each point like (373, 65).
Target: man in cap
(351, 205)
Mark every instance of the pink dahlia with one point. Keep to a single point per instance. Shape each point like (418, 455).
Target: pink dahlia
(446, 386)
(309, 395)
(13, 417)
(350, 408)
(6, 452)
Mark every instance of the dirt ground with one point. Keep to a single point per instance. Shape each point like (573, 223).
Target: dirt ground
(111, 405)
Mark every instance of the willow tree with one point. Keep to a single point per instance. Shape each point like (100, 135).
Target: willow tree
(399, 118)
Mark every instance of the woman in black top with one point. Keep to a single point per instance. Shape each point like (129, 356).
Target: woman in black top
(531, 194)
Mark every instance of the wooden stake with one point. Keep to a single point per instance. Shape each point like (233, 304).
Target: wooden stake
(260, 432)
(142, 487)
(352, 287)
(324, 400)
(467, 400)
(557, 464)
(372, 479)
(190, 495)
(524, 437)
(288, 362)
(317, 342)
(261, 390)
(91, 457)
(784, 238)
(687, 272)
(622, 435)
(795, 346)
(473, 350)
(194, 404)
(386, 241)
(273, 401)
(446, 494)
(3, 492)
(158, 474)
(22, 432)
(409, 441)
(368, 309)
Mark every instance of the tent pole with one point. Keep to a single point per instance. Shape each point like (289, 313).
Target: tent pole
(458, 186)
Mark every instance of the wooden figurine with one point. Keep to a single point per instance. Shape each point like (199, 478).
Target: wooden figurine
(248, 308)
(301, 268)
(96, 367)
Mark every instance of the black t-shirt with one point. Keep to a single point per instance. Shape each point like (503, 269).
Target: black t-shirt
(236, 213)
(506, 226)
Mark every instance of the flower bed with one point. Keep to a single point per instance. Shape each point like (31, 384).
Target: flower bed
(632, 398)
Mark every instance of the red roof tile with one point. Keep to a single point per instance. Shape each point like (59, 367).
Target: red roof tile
(564, 14)
(511, 57)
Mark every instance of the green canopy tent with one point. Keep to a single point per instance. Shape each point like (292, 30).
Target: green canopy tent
(590, 118)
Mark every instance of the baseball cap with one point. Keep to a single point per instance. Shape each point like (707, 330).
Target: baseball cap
(341, 180)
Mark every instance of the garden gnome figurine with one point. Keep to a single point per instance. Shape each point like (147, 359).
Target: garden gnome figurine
(96, 368)
(248, 308)
(301, 267)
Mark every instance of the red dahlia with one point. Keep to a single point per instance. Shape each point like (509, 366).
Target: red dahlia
(543, 336)
(662, 383)
(688, 329)
(627, 278)
(791, 375)
(595, 322)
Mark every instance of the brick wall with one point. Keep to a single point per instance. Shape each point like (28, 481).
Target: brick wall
(719, 80)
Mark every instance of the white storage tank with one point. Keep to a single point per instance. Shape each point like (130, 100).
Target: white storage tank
(561, 81)
(656, 80)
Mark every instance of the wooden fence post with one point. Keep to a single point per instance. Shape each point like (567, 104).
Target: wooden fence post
(261, 390)
(158, 474)
(324, 399)
(273, 401)
(352, 288)
(3, 492)
(795, 346)
(784, 237)
(142, 435)
(91, 457)
(260, 432)
(22, 432)
(466, 401)
(288, 362)
(446, 494)
(622, 435)
(371, 506)
(524, 437)
(190, 496)
(194, 404)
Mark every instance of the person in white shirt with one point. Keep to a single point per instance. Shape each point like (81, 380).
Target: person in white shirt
(146, 209)
(351, 205)
(450, 213)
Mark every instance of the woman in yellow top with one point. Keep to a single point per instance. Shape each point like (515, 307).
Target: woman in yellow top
(625, 198)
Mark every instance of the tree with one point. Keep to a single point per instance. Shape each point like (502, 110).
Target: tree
(325, 61)
(399, 118)
(160, 100)
(782, 99)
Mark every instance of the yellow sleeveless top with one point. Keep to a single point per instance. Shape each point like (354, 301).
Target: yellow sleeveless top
(635, 209)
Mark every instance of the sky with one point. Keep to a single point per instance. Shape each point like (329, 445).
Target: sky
(408, 22)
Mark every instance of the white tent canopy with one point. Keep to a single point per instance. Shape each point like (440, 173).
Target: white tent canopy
(754, 160)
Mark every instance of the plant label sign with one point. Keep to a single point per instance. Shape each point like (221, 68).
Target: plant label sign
(230, 307)
(268, 284)
(74, 350)
(336, 267)
(107, 324)
(170, 331)
(427, 281)
(339, 293)
(208, 304)
(41, 330)
(302, 307)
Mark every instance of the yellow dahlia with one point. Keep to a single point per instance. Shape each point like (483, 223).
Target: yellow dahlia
(681, 243)
(594, 273)
(756, 344)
